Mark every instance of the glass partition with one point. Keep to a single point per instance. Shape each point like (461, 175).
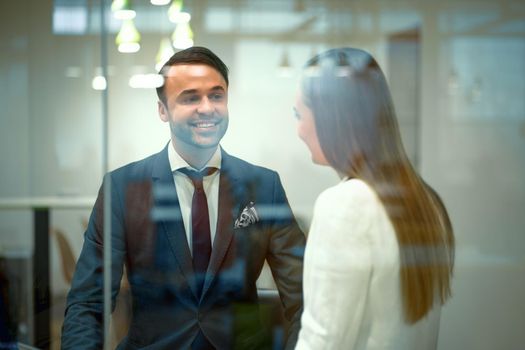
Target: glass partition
(77, 90)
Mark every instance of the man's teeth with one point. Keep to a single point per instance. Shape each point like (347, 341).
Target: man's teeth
(205, 125)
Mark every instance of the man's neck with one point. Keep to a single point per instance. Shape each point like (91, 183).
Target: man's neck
(195, 157)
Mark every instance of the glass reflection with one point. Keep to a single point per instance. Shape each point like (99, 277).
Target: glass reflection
(455, 70)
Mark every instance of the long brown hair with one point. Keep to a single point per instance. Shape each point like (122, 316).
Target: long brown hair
(359, 135)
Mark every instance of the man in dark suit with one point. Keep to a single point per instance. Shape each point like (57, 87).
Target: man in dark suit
(193, 226)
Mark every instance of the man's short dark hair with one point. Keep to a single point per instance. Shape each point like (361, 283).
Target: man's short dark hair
(193, 55)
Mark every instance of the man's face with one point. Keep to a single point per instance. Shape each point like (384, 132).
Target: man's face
(196, 106)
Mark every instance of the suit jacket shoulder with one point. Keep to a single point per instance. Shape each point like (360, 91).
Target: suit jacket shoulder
(245, 168)
(138, 170)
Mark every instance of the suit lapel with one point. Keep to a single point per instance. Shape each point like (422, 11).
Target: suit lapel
(167, 213)
(228, 207)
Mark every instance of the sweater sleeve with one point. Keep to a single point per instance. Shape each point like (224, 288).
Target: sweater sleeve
(338, 267)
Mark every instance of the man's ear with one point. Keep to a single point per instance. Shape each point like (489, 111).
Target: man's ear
(163, 111)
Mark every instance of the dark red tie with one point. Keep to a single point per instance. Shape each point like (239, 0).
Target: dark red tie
(200, 223)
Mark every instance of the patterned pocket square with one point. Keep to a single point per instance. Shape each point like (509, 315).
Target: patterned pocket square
(248, 216)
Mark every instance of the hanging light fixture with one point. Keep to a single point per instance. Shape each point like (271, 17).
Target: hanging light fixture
(146, 81)
(476, 90)
(453, 82)
(176, 13)
(343, 68)
(160, 2)
(122, 9)
(313, 69)
(285, 69)
(99, 83)
(128, 38)
(99, 80)
(182, 36)
(164, 53)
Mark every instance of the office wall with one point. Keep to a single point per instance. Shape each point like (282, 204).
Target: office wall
(472, 152)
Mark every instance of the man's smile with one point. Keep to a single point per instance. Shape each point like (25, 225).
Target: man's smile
(205, 124)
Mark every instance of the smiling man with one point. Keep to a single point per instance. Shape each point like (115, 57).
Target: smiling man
(193, 227)
(194, 101)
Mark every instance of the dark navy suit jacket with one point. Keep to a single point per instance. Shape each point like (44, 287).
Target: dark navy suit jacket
(148, 237)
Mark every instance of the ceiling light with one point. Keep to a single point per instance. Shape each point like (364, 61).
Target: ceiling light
(128, 37)
(176, 13)
(99, 83)
(146, 81)
(313, 69)
(122, 9)
(182, 36)
(165, 52)
(160, 2)
(453, 82)
(285, 70)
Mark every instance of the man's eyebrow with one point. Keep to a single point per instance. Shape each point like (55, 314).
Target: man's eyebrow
(194, 91)
(217, 88)
(188, 92)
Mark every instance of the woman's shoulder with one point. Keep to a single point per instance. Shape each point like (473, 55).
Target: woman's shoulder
(352, 192)
(341, 222)
(352, 202)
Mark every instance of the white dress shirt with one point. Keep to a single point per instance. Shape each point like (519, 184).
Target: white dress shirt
(351, 285)
(185, 190)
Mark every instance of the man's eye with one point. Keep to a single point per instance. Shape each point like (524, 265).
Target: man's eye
(217, 97)
(191, 99)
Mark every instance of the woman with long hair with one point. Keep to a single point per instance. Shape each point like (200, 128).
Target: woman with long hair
(380, 251)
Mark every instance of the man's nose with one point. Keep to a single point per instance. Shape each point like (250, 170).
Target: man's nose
(205, 107)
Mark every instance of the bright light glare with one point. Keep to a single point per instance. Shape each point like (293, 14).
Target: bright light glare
(160, 2)
(285, 72)
(124, 14)
(182, 43)
(180, 17)
(313, 71)
(146, 81)
(129, 47)
(343, 72)
(99, 83)
(159, 65)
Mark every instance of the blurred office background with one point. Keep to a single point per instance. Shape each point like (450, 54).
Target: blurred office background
(457, 73)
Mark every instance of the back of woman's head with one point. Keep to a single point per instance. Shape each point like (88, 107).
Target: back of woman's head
(353, 112)
(359, 136)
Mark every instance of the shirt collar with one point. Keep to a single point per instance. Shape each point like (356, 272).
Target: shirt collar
(177, 162)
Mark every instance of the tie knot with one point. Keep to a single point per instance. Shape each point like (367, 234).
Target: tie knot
(197, 176)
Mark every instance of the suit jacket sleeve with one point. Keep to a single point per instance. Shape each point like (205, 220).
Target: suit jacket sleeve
(286, 260)
(82, 328)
